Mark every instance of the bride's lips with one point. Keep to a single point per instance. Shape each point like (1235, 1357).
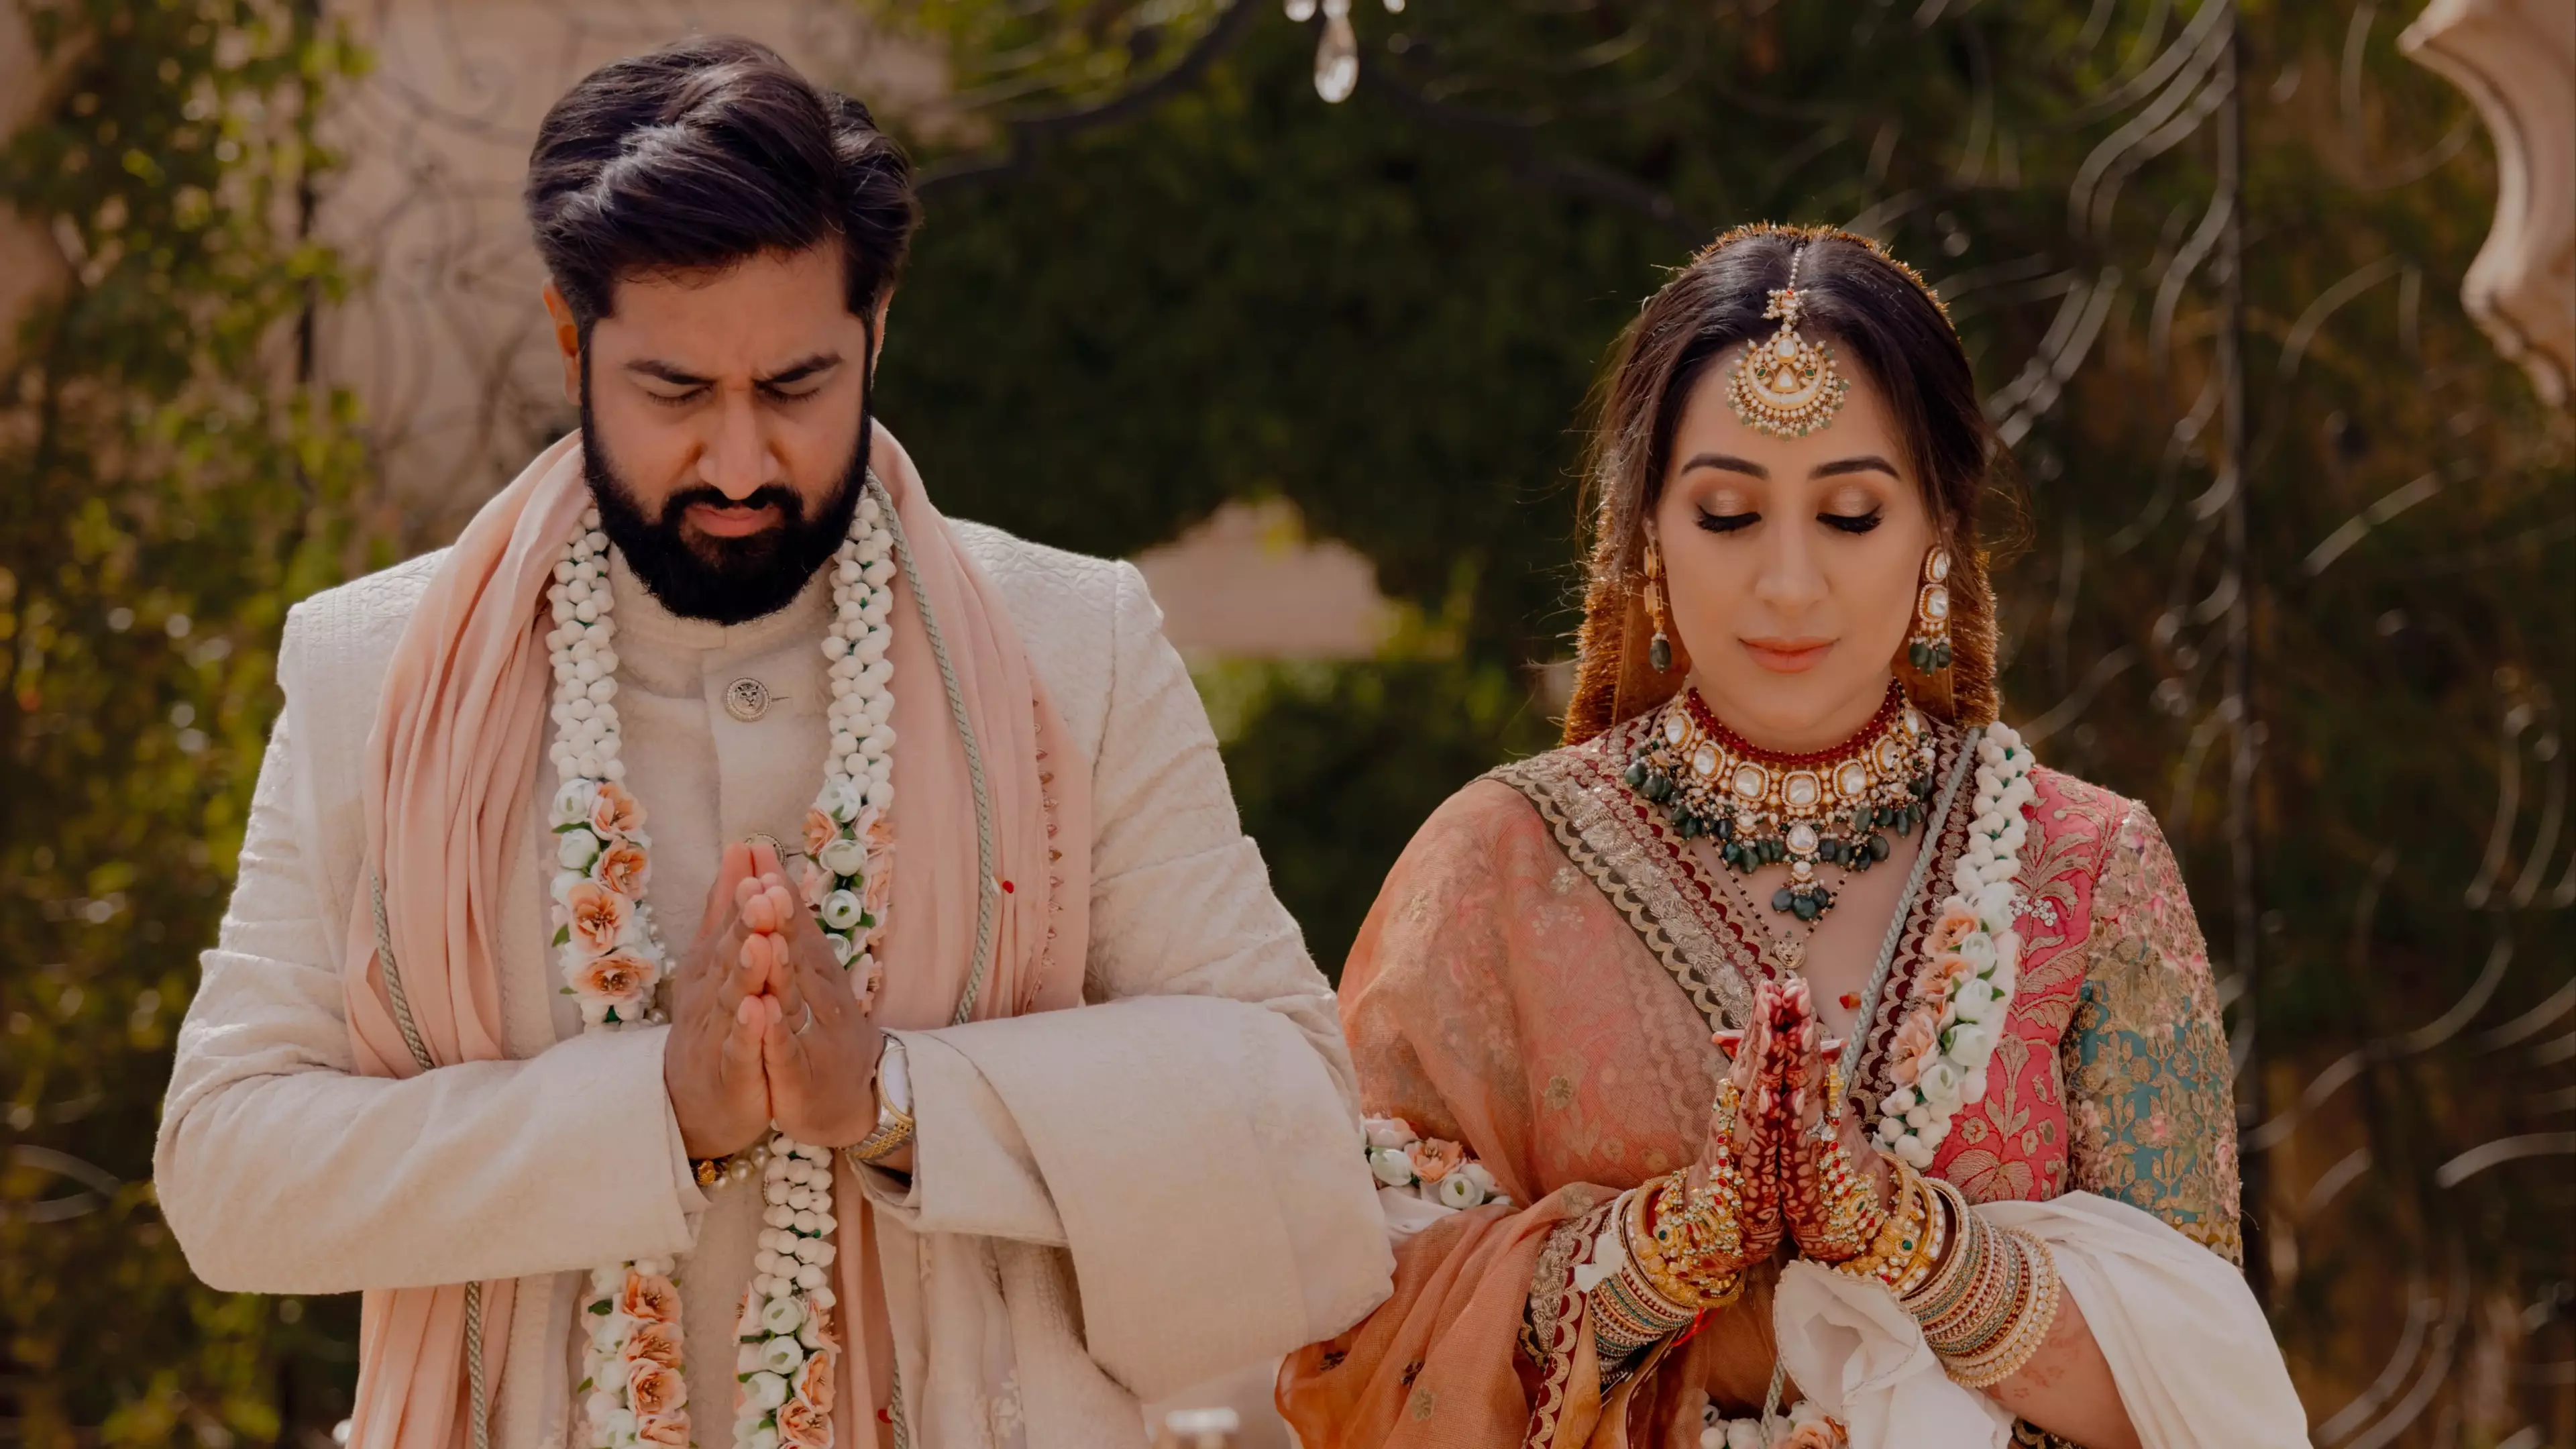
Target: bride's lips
(1787, 656)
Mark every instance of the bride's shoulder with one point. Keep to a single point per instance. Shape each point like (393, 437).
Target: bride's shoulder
(1490, 819)
(2090, 826)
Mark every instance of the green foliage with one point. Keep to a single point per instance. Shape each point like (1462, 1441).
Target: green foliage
(166, 489)
(1335, 767)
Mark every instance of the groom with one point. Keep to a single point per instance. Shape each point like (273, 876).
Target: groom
(649, 975)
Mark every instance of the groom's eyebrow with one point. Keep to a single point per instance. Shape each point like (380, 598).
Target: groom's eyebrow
(801, 369)
(667, 372)
(677, 376)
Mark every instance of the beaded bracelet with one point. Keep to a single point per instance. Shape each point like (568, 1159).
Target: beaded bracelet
(2033, 1314)
(1987, 1309)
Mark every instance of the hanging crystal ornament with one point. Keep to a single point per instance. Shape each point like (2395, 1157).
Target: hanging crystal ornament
(1337, 51)
(1805, 810)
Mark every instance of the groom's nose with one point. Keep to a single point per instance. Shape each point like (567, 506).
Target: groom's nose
(740, 459)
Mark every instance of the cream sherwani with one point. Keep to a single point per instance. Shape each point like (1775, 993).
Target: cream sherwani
(1109, 1203)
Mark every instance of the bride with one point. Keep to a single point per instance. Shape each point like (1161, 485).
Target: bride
(1789, 1059)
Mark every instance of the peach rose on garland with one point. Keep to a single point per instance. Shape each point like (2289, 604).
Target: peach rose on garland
(820, 830)
(1436, 1157)
(616, 980)
(814, 1381)
(654, 1343)
(803, 1425)
(1940, 976)
(812, 884)
(1956, 924)
(876, 893)
(1815, 1434)
(650, 1298)
(1915, 1043)
(598, 916)
(622, 867)
(657, 1391)
(615, 812)
(670, 1431)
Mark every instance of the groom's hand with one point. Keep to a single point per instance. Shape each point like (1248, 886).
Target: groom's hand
(711, 1064)
(820, 1046)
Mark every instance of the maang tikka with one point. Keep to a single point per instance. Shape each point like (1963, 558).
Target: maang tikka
(1786, 385)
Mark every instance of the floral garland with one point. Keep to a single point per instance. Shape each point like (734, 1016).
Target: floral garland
(1804, 1426)
(613, 965)
(1939, 1055)
(1434, 1170)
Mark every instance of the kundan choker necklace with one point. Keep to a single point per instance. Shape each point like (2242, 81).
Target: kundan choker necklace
(1765, 807)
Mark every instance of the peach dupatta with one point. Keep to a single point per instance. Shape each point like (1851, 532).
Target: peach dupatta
(1495, 997)
(451, 763)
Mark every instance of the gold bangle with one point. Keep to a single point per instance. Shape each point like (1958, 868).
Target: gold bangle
(2026, 1329)
(1672, 1252)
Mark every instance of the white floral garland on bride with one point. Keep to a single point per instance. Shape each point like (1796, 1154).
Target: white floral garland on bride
(1964, 988)
(613, 964)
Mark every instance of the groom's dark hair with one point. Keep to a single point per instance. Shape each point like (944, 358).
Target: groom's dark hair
(704, 153)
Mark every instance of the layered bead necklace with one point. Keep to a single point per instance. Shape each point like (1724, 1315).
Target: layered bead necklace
(1764, 807)
(615, 966)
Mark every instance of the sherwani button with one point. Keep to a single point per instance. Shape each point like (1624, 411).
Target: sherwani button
(746, 699)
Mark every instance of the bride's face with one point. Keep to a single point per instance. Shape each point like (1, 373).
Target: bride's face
(1791, 563)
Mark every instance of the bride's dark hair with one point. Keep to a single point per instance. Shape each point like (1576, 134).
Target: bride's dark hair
(1882, 322)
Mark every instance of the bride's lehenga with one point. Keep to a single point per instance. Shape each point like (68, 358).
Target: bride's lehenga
(1539, 979)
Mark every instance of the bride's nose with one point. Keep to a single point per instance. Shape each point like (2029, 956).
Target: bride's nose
(1786, 577)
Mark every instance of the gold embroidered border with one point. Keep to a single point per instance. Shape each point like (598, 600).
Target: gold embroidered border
(1554, 1322)
(1640, 866)
(1868, 1085)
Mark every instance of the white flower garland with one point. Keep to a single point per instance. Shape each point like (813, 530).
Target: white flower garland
(1803, 1426)
(613, 963)
(1965, 986)
(1435, 1171)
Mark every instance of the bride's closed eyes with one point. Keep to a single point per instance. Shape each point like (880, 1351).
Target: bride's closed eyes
(1841, 521)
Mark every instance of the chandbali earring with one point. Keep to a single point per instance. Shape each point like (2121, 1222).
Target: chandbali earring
(1659, 652)
(1928, 648)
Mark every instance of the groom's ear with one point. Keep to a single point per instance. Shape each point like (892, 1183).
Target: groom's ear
(884, 304)
(567, 341)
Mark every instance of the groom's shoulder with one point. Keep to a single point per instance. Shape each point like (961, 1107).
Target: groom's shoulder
(1062, 601)
(354, 626)
(1023, 569)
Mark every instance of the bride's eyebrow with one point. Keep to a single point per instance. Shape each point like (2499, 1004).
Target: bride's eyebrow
(1866, 463)
(1727, 463)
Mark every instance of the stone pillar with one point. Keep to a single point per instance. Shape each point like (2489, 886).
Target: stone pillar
(2517, 61)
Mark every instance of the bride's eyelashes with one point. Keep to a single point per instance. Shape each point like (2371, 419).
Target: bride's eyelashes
(1839, 522)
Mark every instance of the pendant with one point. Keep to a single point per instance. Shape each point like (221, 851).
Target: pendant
(1764, 808)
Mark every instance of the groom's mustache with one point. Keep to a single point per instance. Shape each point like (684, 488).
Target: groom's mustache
(789, 503)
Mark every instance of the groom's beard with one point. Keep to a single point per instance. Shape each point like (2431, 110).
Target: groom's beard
(721, 580)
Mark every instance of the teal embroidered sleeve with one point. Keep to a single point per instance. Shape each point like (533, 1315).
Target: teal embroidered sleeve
(2153, 1091)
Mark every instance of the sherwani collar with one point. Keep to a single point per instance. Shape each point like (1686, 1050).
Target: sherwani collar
(667, 650)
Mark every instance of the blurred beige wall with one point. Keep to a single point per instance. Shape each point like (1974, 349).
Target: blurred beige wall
(30, 263)
(2516, 59)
